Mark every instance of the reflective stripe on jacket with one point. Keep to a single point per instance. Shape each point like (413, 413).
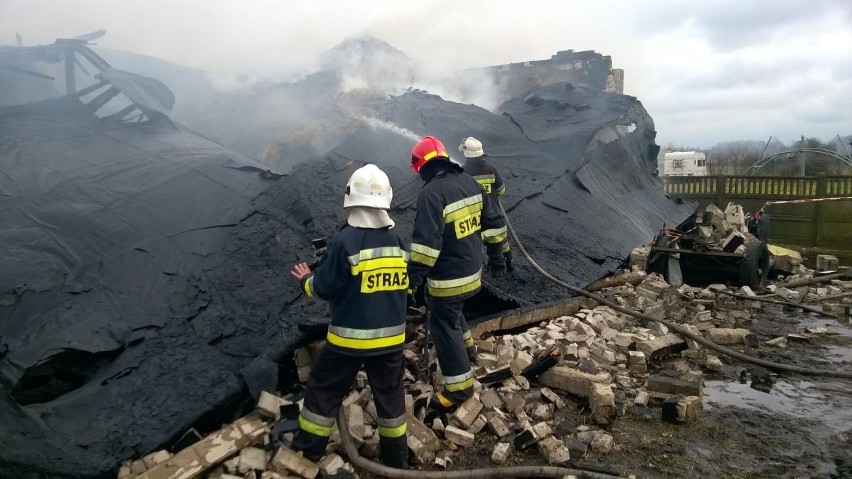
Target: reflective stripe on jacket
(486, 175)
(453, 212)
(365, 276)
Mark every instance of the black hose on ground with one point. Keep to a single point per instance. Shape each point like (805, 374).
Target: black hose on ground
(672, 326)
(490, 473)
(783, 303)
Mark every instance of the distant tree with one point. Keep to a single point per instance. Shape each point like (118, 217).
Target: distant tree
(734, 157)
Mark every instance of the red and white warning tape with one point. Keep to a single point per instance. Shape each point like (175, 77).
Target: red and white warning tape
(804, 200)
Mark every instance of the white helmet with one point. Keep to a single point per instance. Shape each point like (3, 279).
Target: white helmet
(472, 148)
(368, 186)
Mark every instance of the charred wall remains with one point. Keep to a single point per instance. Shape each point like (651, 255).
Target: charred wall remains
(585, 68)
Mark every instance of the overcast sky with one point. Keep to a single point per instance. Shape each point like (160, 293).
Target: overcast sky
(707, 72)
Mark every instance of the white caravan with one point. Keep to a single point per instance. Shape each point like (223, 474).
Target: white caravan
(684, 163)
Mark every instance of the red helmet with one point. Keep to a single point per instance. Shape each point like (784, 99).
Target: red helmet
(426, 149)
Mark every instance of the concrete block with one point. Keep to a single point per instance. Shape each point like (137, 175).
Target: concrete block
(826, 262)
(478, 424)
(269, 405)
(211, 450)
(542, 411)
(554, 398)
(554, 450)
(637, 362)
(286, 461)
(252, 458)
(602, 354)
(459, 436)
(639, 257)
(663, 346)
(490, 399)
(231, 464)
(272, 475)
(570, 380)
(542, 430)
(488, 345)
(124, 471)
(422, 454)
(514, 401)
(426, 436)
(687, 385)
(498, 426)
(582, 328)
(726, 336)
(623, 341)
(438, 425)
(598, 441)
(602, 403)
(467, 412)
(331, 464)
(689, 409)
(713, 363)
(501, 453)
(137, 467)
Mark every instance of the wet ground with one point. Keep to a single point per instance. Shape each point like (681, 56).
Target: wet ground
(801, 426)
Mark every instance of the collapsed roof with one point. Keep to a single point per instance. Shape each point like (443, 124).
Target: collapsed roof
(146, 286)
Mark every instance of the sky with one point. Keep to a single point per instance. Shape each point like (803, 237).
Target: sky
(707, 72)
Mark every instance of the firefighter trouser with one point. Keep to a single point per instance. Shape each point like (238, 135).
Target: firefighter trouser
(449, 330)
(331, 379)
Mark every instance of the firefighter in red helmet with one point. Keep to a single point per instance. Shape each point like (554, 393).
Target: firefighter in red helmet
(453, 211)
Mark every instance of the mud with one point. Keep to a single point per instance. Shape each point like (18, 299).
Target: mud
(800, 427)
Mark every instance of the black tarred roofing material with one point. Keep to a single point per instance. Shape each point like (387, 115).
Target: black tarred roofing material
(145, 269)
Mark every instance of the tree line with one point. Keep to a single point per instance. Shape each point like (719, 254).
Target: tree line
(806, 155)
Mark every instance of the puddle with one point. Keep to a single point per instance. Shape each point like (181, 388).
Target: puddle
(826, 402)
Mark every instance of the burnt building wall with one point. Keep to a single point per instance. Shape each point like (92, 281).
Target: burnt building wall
(587, 68)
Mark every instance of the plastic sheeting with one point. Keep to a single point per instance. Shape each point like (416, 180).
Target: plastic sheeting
(145, 284)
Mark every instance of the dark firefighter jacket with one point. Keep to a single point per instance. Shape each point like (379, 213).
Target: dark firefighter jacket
(364, 275)
(446, 247)
(486, 175)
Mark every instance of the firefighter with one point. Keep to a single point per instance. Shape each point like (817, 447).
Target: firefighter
(486, 175)
(446, 248)
(364, 276)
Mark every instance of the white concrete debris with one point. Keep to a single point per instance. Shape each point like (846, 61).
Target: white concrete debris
(606, 364)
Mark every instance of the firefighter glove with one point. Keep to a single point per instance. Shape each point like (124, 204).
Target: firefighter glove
(497, 270)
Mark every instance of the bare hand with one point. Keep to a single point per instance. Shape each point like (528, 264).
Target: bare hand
(300, 271)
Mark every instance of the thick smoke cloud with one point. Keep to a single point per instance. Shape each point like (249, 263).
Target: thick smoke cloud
(707, 72)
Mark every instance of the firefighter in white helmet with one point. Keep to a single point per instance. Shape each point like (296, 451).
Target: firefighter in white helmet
(486, 175)
(364, 276)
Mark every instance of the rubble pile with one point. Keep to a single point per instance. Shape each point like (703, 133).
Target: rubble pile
(714, 230)
(549, 392)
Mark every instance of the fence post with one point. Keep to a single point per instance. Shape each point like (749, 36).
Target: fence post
(720, 190)
(821, 192)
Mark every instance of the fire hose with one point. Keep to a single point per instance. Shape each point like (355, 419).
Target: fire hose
(672, 326)
(554, 471)
(486, 473)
